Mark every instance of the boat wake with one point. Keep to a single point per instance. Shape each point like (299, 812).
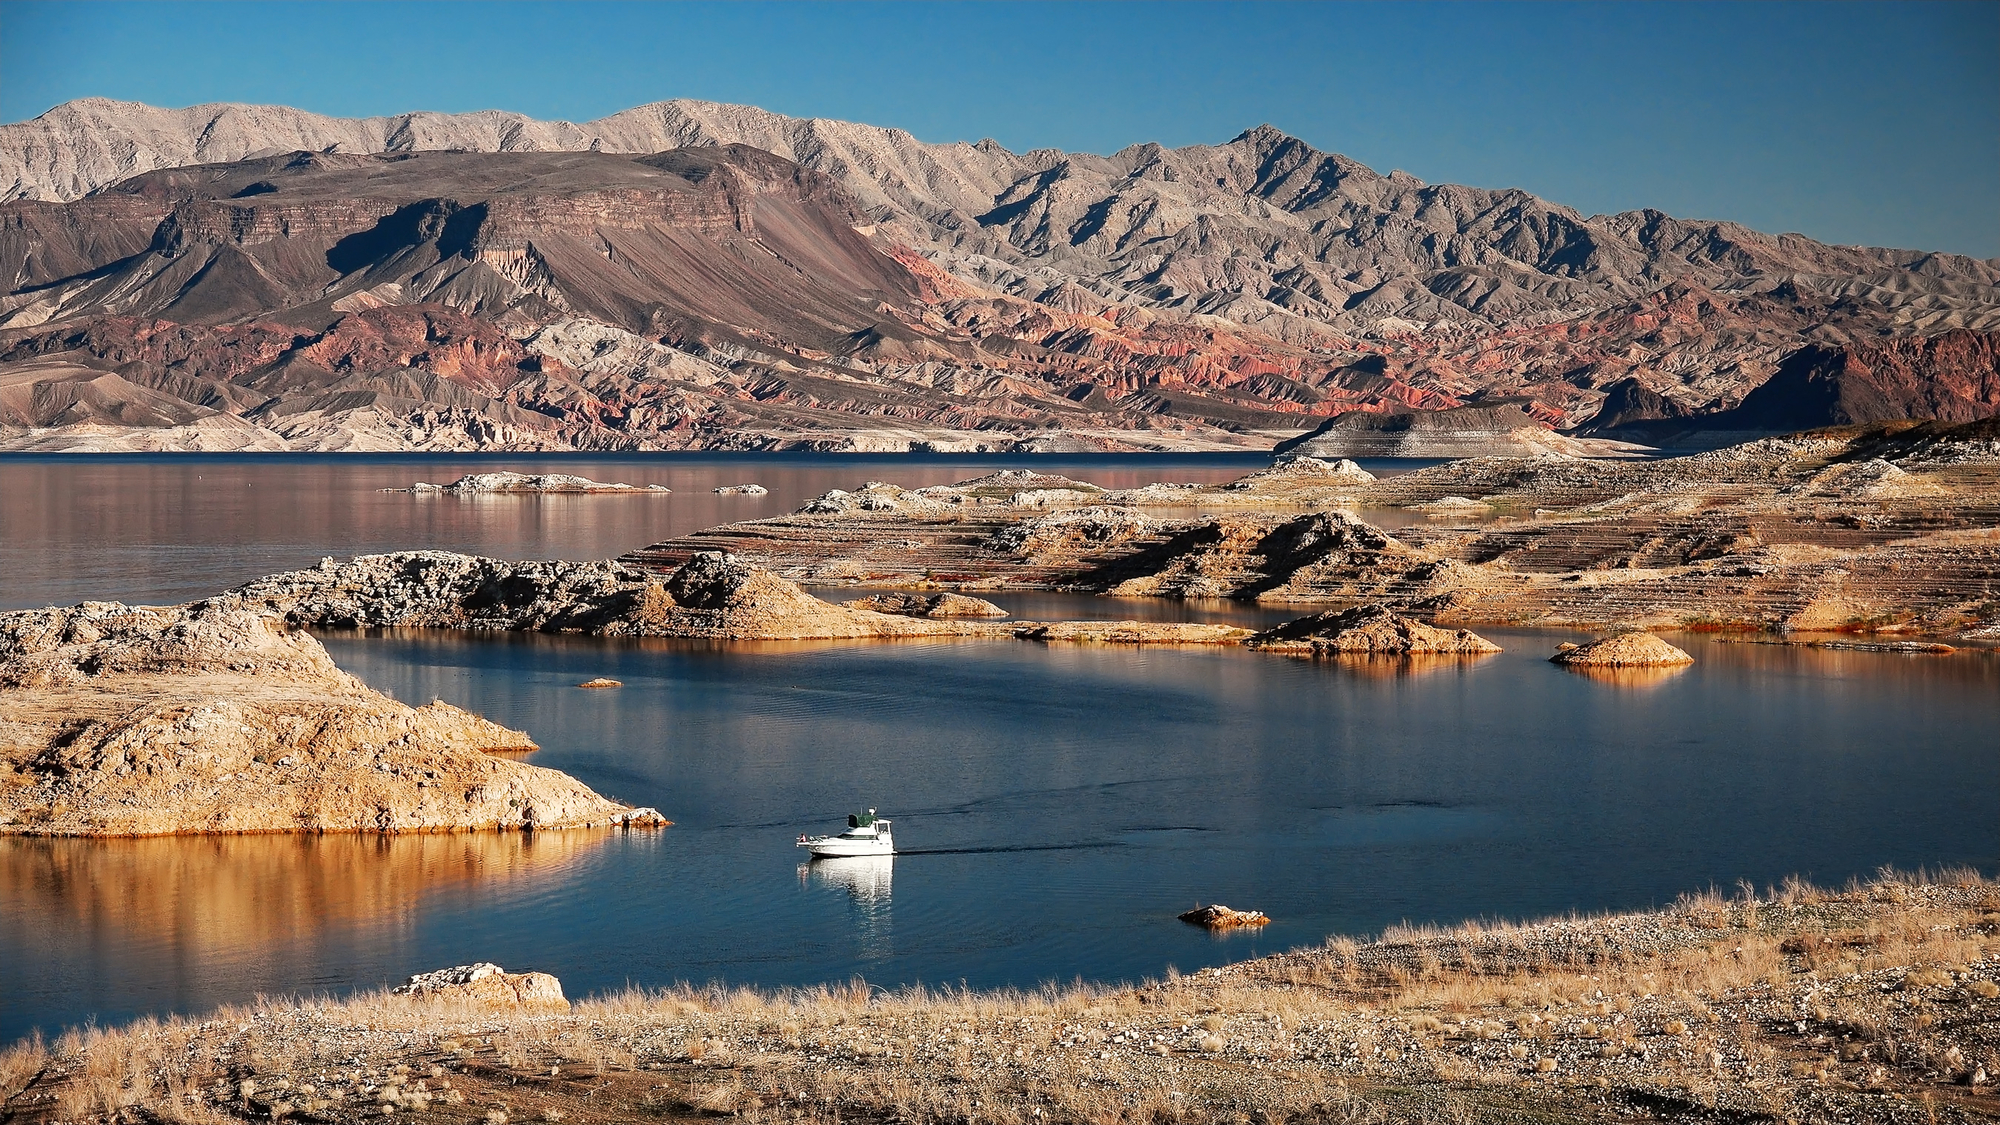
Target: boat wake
(1010, 848)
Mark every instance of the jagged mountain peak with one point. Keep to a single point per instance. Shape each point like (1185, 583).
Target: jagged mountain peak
(1331, 264)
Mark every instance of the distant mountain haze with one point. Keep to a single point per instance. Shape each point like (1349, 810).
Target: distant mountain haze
(687, 274)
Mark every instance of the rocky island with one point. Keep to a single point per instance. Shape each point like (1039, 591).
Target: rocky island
(474, 484)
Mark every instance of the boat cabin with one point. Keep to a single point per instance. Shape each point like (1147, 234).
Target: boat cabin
(864, 826)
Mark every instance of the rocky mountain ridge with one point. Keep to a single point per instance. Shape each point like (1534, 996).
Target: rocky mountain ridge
(954, 295)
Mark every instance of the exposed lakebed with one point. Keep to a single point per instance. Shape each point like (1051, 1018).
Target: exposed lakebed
(1059, 804)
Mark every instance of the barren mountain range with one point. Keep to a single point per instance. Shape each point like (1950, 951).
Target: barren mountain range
(686, 274)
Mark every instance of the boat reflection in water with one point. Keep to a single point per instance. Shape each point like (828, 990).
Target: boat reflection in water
(867, 880)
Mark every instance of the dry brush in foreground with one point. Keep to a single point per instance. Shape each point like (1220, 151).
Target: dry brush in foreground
(1879, 1002)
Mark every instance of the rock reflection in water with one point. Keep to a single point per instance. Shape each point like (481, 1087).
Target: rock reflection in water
(123, 926)
(1639, 677)
(867, 880)
(1391, 667)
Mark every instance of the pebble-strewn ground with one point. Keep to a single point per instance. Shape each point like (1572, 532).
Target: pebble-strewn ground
(1879, 1003)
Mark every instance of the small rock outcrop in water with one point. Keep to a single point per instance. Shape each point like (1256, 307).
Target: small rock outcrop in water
(742, 490)
(487, 984)
(1301, 468)
(928, 605)
(476, 483)
(141, 721)
(1133, 632)
(602, 682)
(1626, 650)
(1219, 917)
(1367, 630)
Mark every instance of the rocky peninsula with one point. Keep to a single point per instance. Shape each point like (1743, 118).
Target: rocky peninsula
(208, 718)
(1875, 1002)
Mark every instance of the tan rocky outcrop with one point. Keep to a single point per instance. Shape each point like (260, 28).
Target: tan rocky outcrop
(1219, 917)
(1368, 630)
(1134, 632)
(927, 605)
(134, 721)
(1626, 650)
(488, 985)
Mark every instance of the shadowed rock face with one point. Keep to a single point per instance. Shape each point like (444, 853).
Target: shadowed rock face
(1464, 431)
(880, 293)
(1863, 383)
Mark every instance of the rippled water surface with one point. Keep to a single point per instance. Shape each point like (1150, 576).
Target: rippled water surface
(1056, 805)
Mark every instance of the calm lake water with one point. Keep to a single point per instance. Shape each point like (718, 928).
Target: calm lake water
(1056, 805)
(161, 530)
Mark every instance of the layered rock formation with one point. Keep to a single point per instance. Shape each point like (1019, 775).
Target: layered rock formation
(135, 721)
(1369, 630)
(880, 293)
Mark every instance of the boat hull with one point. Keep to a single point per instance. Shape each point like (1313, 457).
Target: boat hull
(839, 849)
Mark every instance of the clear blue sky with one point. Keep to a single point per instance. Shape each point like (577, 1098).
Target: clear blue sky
(1869, 123)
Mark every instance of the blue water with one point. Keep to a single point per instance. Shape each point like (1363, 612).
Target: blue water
(1056, 805)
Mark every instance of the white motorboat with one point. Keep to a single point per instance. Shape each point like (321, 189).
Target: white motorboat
(867, 834)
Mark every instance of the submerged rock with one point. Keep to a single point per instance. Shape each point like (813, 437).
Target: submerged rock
(1626, 650)
(487, 984)
(1368, 629)
(928, 605)
(1219, 917)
